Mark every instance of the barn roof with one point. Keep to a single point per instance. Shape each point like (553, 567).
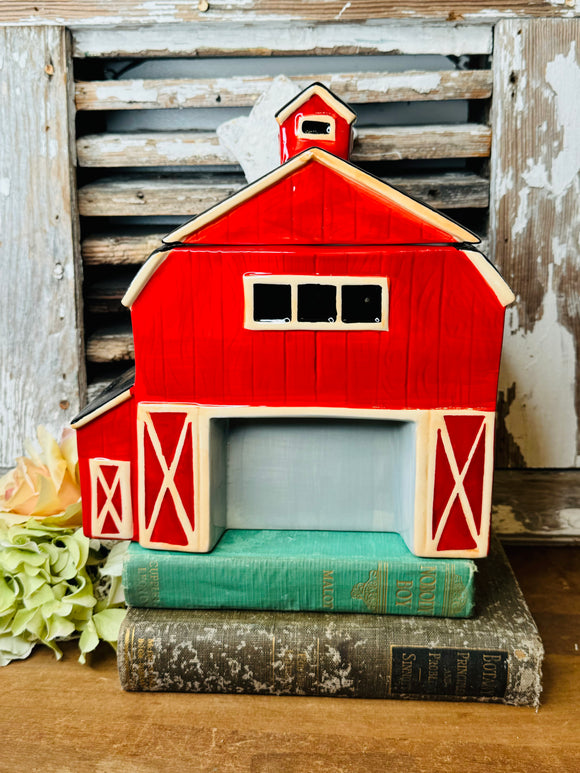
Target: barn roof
(447, 230)
(452, 230)
(339, 107)
(112, 395)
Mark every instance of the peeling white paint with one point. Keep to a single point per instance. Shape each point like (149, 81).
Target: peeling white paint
(504, 183)
(422, 83)
(541, 363)
(176, 151)
(128, 91)
(536, 174)
(560, 251)
(522, 217)
(572, 4)
(345, 7)
(4, 186)
(564, 522)
(569, 522)
(520, 104)
(563, 76)
(374, 36)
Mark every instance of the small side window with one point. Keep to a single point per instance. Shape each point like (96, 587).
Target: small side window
(272, 303)
(315, 127)
(311, 127)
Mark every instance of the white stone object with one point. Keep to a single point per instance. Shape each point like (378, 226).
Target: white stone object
(254, 139)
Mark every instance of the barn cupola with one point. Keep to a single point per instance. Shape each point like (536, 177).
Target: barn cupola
(315, 118)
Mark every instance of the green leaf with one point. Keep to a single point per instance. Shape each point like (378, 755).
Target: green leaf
(88, 641)
(58, 628)
(8, 595)
(108, 622)
(14, 648)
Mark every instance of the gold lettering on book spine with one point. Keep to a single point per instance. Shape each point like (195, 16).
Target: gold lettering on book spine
(373, 592)
(457, 594)
(453, 592)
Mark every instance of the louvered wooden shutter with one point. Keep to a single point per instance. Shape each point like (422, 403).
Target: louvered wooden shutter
(137, 179)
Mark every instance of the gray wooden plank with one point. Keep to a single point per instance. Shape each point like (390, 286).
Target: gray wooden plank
(535, 222)
(187, 195)
(273, 37)
(42, 373)
(537, 506)
(111, 344)
(243, 91)
(103, 13)
(138, 195)
(204, 148)
(120, 248)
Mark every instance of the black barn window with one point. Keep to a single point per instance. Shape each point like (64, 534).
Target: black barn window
(361, 303)
(316, 303)
(299, 302)
(272, 303)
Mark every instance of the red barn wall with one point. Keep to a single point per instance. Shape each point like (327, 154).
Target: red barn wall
(442, 348)
(291, 144)
(110, 436)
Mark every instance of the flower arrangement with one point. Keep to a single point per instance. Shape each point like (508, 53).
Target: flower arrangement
(55, 583)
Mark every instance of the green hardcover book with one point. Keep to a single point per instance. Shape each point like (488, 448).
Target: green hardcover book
(373, 573)
(495, 656)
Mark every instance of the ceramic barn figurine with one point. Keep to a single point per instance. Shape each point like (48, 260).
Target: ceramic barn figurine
(318, 351)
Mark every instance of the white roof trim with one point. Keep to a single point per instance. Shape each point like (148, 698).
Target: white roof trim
(117, 400)
(339, 107)
(493, 278)
(142, 277)
(347, 170)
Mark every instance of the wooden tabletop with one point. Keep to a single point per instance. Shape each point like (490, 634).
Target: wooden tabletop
(62, 717)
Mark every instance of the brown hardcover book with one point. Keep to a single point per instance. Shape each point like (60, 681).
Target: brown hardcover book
(495, 656)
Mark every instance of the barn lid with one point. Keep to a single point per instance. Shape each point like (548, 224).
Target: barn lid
(115, 393)
(454, 232)
(336, 104)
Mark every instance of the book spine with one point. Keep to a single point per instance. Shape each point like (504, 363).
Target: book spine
(437, 588)
(306, 655)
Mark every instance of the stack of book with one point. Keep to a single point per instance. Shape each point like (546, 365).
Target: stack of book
(342, 614)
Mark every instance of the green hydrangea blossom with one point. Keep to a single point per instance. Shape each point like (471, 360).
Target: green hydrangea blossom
(56, 584)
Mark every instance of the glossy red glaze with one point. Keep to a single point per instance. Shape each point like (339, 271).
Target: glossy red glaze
(111, 436)
(468, 457)
(441, 350)
(167, 527)
(292, 143)
(316, 204)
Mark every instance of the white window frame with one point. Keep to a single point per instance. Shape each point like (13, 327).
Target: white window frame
(294, 280)
(329, 119)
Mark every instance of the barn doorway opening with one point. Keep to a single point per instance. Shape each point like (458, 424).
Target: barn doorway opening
(348, 474)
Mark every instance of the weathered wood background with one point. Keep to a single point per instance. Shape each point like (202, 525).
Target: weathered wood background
(99, 13)
(536, 228)
(507, 165)
(41, 344)
(535, 242)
